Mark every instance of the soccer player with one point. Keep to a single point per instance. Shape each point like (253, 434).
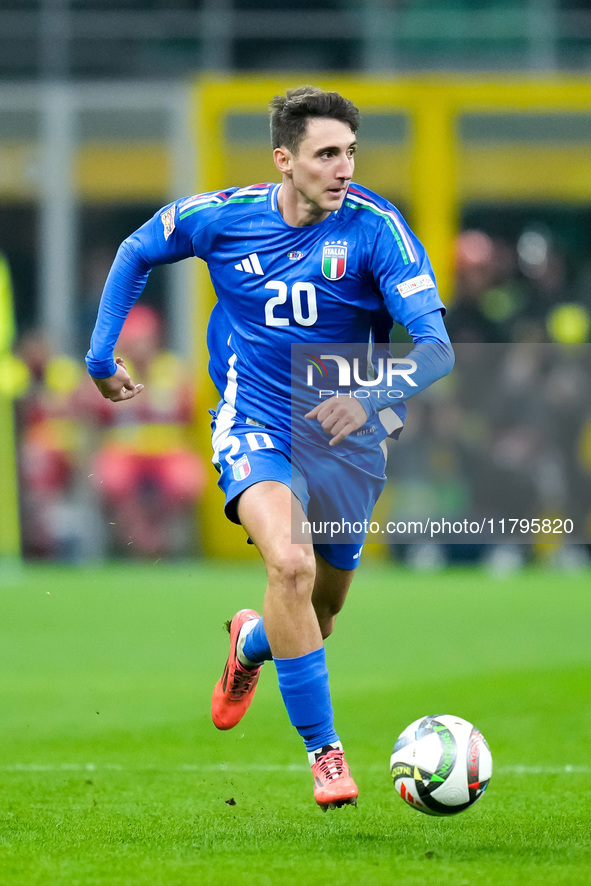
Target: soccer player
(313, 258)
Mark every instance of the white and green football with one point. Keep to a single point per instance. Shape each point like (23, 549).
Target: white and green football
(441, 765)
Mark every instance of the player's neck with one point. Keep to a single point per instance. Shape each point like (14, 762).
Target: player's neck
(295, 210)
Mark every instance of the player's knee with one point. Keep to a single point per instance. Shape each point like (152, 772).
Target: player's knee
(292, 571)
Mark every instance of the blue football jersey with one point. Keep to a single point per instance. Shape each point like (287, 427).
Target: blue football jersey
(345, 279)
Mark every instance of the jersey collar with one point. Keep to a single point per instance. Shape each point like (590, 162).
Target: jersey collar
(274, 190)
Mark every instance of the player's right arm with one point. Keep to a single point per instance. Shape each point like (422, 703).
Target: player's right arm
(118, 386)
(164, 239)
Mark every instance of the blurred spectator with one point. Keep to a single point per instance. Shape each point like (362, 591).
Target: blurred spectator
(516, 434)
(489, 299)
(515, 293)
(50, 452)
(146, 472)
(508, 437)
(543, 269)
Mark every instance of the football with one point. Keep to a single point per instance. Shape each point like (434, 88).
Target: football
(441, 765)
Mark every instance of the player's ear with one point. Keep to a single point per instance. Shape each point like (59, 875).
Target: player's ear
(282, 158)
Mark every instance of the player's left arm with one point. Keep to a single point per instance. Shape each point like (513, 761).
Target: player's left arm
(431, 359)
(398, 267)
(339, 417)
(402, 273)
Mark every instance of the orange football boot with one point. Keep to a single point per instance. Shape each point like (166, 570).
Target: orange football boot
(233, 692)
(333, 785)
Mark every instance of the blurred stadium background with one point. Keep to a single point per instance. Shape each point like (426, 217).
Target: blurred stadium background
(476, 123)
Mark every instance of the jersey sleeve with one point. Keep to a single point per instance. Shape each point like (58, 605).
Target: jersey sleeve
(177, 231)
(401, 269)
(431, 359)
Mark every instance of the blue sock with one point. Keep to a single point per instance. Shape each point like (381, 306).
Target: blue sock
(256, 646)
(303, 683)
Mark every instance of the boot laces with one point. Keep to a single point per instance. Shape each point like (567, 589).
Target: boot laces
(243, 681)
(331, 765)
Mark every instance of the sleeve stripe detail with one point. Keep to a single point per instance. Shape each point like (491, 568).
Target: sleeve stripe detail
(237, 199)
(256, 194)
(197, 199)
(251, 194)
(200, 201)
(406, 249)
(188, 212)
(252, 190)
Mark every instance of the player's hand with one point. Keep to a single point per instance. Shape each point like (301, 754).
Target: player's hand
(339, 417)
(118, 386)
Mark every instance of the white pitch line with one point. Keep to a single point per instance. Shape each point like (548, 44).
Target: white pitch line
(515, 769)
(567, 769)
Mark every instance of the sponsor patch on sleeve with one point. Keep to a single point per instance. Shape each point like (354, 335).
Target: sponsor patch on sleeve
(167, 219)
(417, 284)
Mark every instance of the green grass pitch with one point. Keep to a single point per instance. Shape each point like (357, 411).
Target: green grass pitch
(111, 772)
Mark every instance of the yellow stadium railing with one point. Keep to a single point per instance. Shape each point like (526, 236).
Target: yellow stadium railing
(9, 368)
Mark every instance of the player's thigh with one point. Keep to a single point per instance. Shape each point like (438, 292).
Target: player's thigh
(245, 456)
(266, 510)
(343, 493)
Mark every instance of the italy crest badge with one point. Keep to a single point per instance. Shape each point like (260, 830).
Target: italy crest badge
(334, 259)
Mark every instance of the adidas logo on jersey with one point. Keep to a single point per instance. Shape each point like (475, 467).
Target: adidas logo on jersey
(250, 265)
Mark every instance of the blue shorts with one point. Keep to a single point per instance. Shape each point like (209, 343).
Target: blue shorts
(246, 453)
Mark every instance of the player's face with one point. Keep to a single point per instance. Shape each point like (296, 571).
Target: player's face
(317, 177)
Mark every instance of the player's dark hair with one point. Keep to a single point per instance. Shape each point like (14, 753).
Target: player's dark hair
(289, 114)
